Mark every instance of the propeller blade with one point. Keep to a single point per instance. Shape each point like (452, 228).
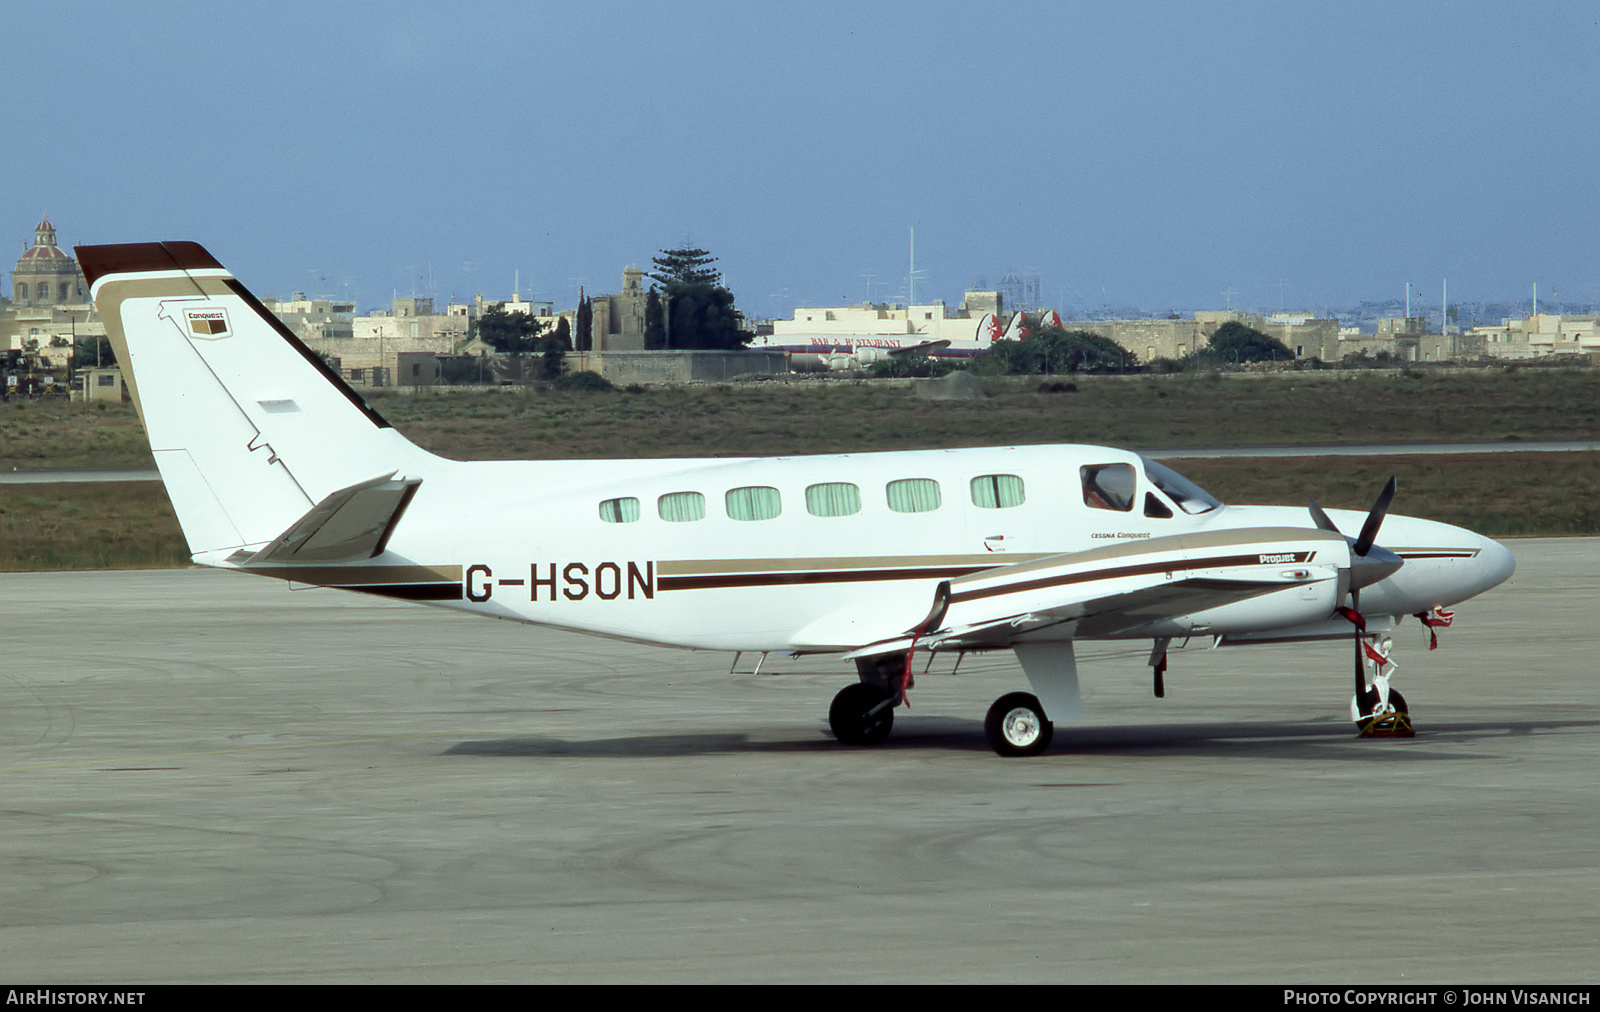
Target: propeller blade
(1369, 530)
(1361, 673)
(1320, 518)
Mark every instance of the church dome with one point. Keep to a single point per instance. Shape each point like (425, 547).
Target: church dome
(44, 254)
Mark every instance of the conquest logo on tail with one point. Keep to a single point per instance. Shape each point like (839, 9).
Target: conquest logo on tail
(197, 318)
(210, 324)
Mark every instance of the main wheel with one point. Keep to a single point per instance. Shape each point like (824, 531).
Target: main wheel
(862, 714)
(1016, 725)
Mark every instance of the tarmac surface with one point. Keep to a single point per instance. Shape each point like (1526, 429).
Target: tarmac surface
(206, 777)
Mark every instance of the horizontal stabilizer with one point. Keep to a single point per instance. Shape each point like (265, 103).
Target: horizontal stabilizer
(350, 525)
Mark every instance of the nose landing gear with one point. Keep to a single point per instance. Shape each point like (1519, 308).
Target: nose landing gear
(1379, 711)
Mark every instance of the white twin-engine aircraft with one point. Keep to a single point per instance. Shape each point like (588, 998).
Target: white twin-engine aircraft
(276, 467)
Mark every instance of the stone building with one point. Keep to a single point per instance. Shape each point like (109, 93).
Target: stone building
(313, 319)
(1307, 336)
(1538, 335)
(619, 319)
(49, 301)
(381, 348)
(46, 275)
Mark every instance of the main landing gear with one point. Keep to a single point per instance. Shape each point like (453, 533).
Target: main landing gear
(863, 713)
(1016, 725)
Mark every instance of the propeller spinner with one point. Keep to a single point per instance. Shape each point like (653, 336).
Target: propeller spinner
(1369, 562)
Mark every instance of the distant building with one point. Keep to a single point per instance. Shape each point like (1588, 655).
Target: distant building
(389, 346)
(543, 313)
(102, 385)
(1306, 336)
(1538, 335)
(313, 319)
(618, 320)
(875, 324)
(50, 301)
(412, 320)
(46, 275)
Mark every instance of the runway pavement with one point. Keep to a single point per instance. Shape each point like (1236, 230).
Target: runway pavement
(206, 777)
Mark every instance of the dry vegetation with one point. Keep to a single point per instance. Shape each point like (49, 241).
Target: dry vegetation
(823, 416)
(1492, 493)
(126, 525)
(121, 525)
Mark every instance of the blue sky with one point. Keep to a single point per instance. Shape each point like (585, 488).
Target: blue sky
(1139, 154)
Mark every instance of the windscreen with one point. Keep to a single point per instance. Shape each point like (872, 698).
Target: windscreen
(1191, 498)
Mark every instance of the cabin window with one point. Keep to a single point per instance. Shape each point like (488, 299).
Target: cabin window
(620, 511)
(682, 507)
(997, 491)
(754, 502)
(913, 495)
(835, 499)
(1108, 486)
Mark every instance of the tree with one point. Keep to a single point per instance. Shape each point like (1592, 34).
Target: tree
(912, 364)
(655, 325)
(702, 316)
(1235, 342)
(685, 266)
(584, 341)
(513, 334)
(699, 311)
(93, 351)
(1054, 350)
(553, 350)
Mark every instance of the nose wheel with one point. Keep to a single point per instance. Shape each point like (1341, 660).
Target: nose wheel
(1376, 719)
(1016, 725)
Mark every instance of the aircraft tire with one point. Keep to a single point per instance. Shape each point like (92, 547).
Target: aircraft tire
(1363, 707)
(849, 715)
(1016, 725)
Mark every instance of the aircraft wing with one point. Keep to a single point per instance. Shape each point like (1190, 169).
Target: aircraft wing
(1153, 587)
(349, 525)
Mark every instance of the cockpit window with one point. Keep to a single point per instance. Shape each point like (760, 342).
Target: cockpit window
(1108, 486)
(1191, 498)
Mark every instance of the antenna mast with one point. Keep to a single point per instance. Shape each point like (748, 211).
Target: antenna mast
(911, 278)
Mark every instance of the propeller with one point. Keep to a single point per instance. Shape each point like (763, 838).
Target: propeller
(1369, 562)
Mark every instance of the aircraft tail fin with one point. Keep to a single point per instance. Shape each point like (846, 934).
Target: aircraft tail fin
(250, 428)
